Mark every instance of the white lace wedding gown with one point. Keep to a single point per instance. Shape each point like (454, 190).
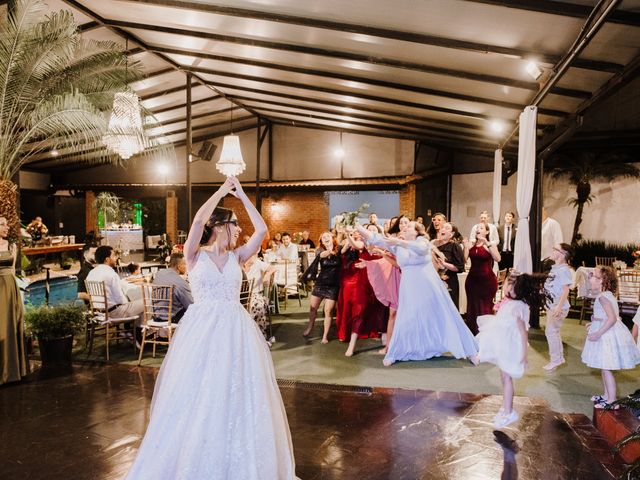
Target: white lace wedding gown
(216, 411)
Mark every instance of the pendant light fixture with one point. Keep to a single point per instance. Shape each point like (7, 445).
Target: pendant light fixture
(231, 162)
(125, 135)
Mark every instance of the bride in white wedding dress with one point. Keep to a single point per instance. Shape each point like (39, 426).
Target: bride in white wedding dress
(216, 411)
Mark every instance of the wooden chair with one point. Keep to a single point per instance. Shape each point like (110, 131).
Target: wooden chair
(288, 282)
(101, 320)
(629, 292)
(605, 261)
(586, 309)
(157, 328)
(246, 290)
(270, 293)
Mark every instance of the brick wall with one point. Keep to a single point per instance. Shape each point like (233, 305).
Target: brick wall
(91, 222)
(287, 211)
(408, 200)
(172, 216)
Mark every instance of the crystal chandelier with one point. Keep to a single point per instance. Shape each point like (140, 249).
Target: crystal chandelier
(125, 135)
(231, 162)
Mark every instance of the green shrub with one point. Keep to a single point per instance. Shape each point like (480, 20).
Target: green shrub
(54, 322)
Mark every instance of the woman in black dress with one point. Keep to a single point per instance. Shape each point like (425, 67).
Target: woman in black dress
(437, 221)
(327, 282)
(453, 261)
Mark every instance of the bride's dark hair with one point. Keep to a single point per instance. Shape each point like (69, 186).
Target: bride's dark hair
(220, 216)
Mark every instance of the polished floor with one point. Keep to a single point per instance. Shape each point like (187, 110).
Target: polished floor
(88, 425)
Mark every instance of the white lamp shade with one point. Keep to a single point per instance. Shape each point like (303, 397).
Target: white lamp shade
(231, 162)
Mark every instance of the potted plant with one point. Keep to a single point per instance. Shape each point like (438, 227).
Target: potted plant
(54, 327)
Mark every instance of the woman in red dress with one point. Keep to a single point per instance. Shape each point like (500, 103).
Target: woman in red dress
(359, 313)
(481, 284)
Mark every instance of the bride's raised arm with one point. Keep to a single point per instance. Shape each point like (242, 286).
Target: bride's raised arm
(192, 245)
(259, 226)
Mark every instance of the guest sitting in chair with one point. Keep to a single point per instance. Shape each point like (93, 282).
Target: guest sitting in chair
(174, 276)
(288, 251)
(131, 283)
(306, 240)
(270, 255)
(104, 271)
(257, 270)
(88, 262)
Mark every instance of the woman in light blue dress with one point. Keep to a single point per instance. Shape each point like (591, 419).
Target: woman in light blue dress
(428, 323)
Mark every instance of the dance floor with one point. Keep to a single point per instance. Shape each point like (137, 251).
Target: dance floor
(88, 425)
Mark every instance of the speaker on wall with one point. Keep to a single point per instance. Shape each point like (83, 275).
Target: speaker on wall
(207, 149)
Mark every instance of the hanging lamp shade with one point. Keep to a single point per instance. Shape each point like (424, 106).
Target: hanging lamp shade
(231, 162)
(125, 135)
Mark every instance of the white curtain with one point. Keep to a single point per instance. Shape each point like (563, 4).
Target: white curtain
(524, 188)
(497, 185)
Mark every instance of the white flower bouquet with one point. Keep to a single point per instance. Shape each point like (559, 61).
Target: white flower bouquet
(348, 219)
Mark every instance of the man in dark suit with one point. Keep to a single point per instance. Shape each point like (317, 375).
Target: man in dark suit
(507, 241)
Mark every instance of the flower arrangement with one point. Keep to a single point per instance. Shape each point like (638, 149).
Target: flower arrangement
(636, 255)
(296, 237)
(37, 230)
(348, 219)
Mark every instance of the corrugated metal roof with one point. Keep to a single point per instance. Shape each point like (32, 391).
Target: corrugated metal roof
(437, 70)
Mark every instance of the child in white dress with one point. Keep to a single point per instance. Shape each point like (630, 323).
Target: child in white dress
(558, 284)
(502, 338)
(609, 345)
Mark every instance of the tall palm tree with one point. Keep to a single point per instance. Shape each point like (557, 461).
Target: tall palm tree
(583, 167)
(55, 88)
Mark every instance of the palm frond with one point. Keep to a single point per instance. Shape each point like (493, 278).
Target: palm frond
(68, 114)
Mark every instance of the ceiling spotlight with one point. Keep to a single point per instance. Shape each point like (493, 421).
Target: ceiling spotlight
(54, 153)
(534, 70)
(163, 169)
(497, 126)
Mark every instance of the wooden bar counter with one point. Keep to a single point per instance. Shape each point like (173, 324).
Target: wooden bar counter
(66, 247)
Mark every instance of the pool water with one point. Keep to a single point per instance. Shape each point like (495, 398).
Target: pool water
(61, 290)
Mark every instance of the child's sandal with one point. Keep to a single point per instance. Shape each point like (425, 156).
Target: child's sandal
(604, 405)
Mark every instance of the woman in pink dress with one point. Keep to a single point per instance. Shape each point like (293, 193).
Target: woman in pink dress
(384, 277)
(481, 285)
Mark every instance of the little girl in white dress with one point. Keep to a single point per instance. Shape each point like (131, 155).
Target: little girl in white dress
(609, 345)
(502, 338)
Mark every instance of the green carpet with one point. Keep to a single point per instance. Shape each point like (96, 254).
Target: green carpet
(566, 390)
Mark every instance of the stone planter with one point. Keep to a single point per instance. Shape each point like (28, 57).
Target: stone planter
(56, 352)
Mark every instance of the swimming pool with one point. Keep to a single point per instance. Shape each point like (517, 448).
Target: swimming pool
(61, 290)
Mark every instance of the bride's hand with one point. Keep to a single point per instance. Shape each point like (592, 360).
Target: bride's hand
(238, 192)
(227, 187)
